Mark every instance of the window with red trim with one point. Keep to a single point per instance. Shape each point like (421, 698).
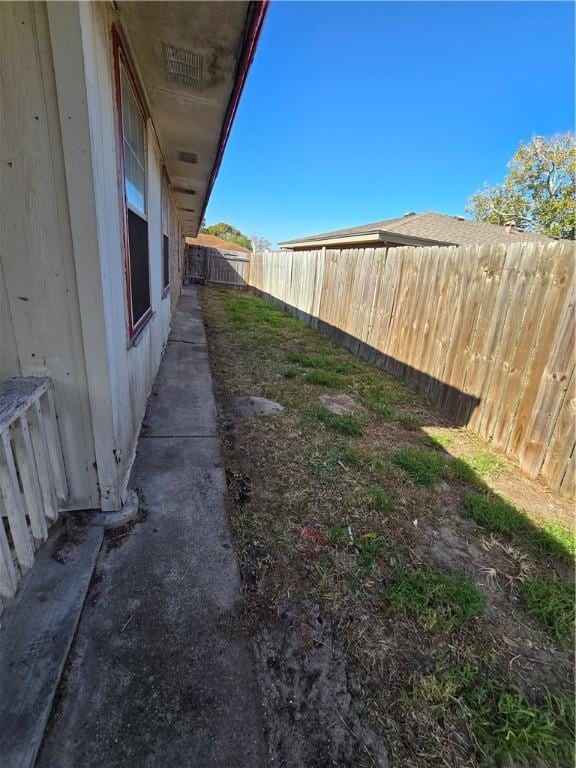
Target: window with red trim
(132, 124)
(165, 238)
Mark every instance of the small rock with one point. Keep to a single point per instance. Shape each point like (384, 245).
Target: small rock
(341, 405)
(246, 407)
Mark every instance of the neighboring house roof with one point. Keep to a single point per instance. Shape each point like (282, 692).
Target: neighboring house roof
(211, 241)
(420, 229)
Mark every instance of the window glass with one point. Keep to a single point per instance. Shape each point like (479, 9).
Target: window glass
(134, 155)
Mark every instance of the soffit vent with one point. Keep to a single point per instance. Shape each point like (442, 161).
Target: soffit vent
(183, 66)
(187, 157)
(183, 191)
(188, 210)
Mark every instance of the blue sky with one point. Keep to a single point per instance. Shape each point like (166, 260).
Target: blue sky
(355, 112)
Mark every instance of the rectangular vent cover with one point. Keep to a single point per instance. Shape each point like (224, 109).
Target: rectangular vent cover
(187, 157)
(183, 66)
(183, 191)
(188, 210)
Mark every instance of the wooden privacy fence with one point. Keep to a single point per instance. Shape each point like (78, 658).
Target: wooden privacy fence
(487, 331)
(214, 265)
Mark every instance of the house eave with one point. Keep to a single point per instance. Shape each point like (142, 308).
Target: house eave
(375, 238)
(192, 120)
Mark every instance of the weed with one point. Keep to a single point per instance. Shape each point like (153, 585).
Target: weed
(371, 548)
(422, 467)
(324, 378)
(381, 499)
(290, 373)
(509, 729)
(346, 425)
(439, 601)
(550, 602)
(338, 536)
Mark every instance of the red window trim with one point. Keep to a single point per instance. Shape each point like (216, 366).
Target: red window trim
(165, 185)
(120, 55)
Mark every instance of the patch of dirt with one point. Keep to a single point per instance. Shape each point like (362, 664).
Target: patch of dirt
(66, 547)
(341, 405)
(313, 697)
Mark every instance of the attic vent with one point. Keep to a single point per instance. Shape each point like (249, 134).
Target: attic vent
(183, 191)
(183, 66)
(187, 157)
(188, 210)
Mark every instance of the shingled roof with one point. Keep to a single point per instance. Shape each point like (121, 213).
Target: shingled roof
(420, 229)
(211, 241)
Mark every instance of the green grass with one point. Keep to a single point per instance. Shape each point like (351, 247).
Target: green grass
(378, 392)
(440, 440)
(366, 458)
(327, 362)
(371, 548)
(499, 516)
(290, 373)
(345, 425)
(422, 467)
(247, 311)
(509, 730)
(323, 378)
(338, 536)
(381, 500)
(560, 539)
(438, 601)
(483, 463)
(550, 602)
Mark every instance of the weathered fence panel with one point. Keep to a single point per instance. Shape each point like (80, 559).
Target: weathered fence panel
(33, 480)
(487, 331)
(213, 265)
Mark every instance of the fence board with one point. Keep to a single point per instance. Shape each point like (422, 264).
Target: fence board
(563, 440)
(487, 331)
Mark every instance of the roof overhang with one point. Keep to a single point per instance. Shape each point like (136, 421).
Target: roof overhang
(192, 59)
(375, 238)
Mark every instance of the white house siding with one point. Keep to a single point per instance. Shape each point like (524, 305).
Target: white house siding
(132, 366)
(63, 302)
(39, 312)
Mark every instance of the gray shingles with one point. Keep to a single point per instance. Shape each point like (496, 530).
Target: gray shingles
(435, 227)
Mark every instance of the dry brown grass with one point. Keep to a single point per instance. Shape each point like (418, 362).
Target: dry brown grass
(321, 514)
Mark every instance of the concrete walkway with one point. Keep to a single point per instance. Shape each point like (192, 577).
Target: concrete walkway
(157, 676)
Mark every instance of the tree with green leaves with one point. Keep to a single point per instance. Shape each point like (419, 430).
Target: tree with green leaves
(227, 232)
(538, 194)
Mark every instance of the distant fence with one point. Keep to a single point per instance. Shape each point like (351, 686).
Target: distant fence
(215, 265)
(487, 331)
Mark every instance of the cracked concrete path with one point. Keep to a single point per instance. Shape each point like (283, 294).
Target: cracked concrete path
(157, 676)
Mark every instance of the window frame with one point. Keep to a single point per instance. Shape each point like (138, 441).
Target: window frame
(165, 229)
(122, 60)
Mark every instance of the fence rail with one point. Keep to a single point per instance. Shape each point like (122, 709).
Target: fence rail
(487, 331)
(32, 476)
